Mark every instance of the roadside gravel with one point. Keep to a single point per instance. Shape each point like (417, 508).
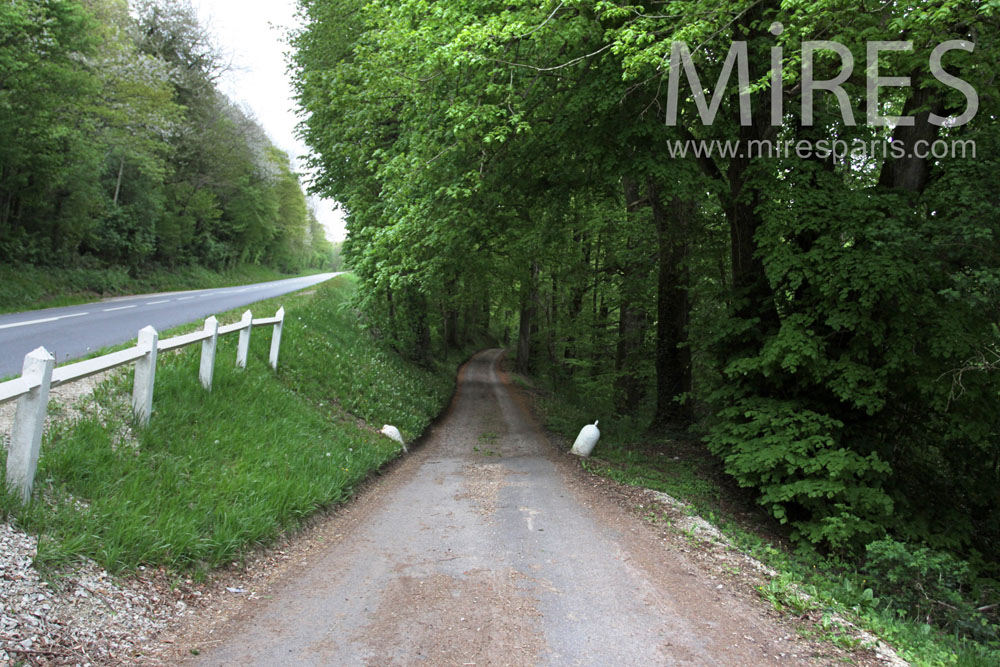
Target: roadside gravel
(79, 616)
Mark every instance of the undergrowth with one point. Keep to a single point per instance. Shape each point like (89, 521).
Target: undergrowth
(925, 603)
(215, 474)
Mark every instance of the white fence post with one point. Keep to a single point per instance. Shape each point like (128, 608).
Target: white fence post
(145, 375)
(276, 337)
(208, 353)
(26, 438)
(244, 346)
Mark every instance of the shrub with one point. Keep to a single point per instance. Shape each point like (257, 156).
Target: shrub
(930, 585)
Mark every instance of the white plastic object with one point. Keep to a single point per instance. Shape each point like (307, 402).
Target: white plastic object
(393, 433)
(585, 442)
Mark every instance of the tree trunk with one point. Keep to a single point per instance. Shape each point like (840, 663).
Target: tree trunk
(673, 356)
(555, 367)
(578, 289)
(118, 185)
(631, 320)
(753, 297)
(421, 329)
(527, 326)
(910, 173)
(392, 316)
(485, 319)
(451, 318)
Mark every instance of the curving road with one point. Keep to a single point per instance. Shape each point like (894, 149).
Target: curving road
(75, 331)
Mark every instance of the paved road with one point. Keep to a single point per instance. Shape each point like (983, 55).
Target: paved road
(486, 547)
(75, 331)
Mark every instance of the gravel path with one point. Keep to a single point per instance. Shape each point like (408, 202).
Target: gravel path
(486, 547)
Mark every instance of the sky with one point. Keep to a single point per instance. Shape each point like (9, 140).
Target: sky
(252, 34)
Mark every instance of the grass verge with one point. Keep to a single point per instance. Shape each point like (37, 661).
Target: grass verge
(808, 585)
(216, 474)
(26, 287)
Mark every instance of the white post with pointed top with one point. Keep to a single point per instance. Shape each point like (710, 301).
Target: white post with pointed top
(208, 353)
(244, 347)
(145, 376)
(276, 337)
(26, 437)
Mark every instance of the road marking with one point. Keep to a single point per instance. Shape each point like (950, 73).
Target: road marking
(111, 310)
(155, 303)
(185, 298)
(47, 319)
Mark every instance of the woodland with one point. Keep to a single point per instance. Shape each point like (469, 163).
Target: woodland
(118, 149)
(825, 325)
(653, 206)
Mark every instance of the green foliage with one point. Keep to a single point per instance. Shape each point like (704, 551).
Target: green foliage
(828, 493)
(116, 145)
(828, 327)
(926, 603)
(362, 376)
(931, 586)
(821, 417)
(215, 474)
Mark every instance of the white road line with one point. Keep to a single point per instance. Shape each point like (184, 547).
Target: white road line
(155, 303)
(185, 298)
(47, 319)
(111, 310)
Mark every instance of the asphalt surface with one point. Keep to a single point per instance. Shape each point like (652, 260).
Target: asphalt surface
(485, 548)
(76, 331)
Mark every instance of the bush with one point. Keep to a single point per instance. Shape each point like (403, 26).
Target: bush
(829, 494)
(930, 585)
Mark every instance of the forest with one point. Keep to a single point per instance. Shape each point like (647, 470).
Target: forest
(118, 149)
(824, 322)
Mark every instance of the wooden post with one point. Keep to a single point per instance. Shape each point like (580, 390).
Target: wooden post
(145, 376)
(208, 353)
(244, 347)
(276, 337)
(26, 437)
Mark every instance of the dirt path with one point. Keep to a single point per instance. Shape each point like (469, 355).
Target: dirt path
(487, 547)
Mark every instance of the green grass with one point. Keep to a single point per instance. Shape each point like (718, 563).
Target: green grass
(687, 472)
(215, 474)
(25, 287)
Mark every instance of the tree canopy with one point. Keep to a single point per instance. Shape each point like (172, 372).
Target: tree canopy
(117, 147)
(826, 322)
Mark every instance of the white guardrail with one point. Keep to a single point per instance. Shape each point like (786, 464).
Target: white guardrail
(39, 374)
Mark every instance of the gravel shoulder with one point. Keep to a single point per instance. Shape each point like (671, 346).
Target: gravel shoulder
(82, 615)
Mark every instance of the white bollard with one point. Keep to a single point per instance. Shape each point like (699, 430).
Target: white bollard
(145, 376)
(26, 437)
(276, 338)
(393, 433)
(244, 347)
(586, 440)
(207, 369)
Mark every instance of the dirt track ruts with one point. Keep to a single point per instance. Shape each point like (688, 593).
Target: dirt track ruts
(484, 547)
